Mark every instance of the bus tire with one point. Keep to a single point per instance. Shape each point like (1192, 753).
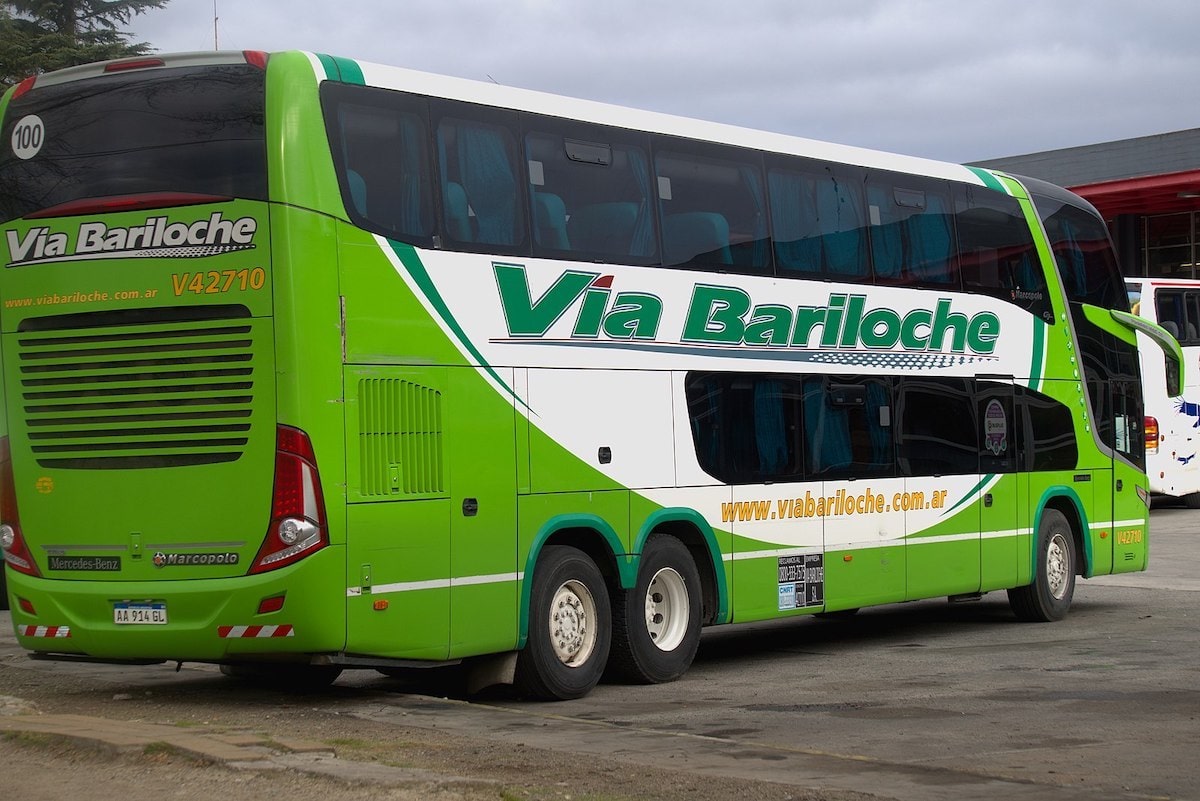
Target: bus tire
(656, 625)
(1192, 500)
(1048, 597)
(570, 627)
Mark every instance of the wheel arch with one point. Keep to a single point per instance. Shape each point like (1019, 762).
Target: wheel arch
(1066, 501)
(689, 527)
(588, 533)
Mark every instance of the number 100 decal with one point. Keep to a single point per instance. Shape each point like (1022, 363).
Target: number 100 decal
(29, 134)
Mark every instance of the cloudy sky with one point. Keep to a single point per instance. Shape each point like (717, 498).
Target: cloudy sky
(959, 81)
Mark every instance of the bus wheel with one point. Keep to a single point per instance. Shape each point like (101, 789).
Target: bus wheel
(286, 676)
(570, 627)
(1049, 596)
(656, 625)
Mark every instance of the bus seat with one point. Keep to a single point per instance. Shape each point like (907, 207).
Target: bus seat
(603, 227)
(1171, 328)
(458, 213)
(689, 235)
(358, 191)
(550, 221)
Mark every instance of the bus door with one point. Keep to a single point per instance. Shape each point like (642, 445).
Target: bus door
(849, 422)
(1126, 548)
(938, 451)
(1005, 491)
(481, 456)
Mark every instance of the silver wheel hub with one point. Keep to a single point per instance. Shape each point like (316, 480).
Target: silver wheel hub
(1057, 566)
(573, 623)
(667, 609)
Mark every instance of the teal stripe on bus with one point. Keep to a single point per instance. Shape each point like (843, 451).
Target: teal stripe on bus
(342, 69)
(989, 179)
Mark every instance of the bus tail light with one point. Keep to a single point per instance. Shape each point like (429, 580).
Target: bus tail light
(16, 552)
(298, 527)
(1150, 427)
(256, 58)
(24, 86)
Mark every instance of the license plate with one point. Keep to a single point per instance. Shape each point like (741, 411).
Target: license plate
(140, 614)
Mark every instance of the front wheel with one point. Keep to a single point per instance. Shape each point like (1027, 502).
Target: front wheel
(570, 627)
(656, 625)
(1049, 596)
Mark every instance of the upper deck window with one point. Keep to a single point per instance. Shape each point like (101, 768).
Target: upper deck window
(196, 130)
(1084, 255)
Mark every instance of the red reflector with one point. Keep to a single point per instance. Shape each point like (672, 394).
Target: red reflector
(26, 606)
(134, 64)
(24, 86)
(380, 605)
(256, 58)
(271, 605)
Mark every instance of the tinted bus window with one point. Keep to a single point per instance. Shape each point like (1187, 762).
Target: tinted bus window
(1083, 253)
(184, 130)
(818, 220)
(481, 179)
(1179, 313)
(713, 207)
(848, 427)
(935, 427)
(1049, 432)
(997, 255)
(747, 428)
(380, 145)
(912, 231)
(590, 190)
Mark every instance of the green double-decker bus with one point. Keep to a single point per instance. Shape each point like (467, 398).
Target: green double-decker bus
(311, 364)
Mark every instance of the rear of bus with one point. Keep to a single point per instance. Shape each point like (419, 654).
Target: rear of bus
(161, 498)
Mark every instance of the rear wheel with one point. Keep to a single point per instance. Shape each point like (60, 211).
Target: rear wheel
(570, 627)
(656, 625)
(1192, 500)
(1049, 596)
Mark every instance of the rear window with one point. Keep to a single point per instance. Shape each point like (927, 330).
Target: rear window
(187, 130)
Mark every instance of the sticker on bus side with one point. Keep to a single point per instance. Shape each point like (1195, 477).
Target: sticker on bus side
(801, 581)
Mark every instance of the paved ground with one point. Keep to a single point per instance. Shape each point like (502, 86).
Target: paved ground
(914, 701)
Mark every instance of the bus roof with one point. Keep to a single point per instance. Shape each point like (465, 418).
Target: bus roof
(490, 94)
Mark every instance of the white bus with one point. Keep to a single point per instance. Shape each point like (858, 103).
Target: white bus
(1172, 422)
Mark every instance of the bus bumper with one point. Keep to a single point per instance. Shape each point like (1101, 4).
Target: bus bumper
(207, 620)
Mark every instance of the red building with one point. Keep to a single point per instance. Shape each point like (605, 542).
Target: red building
(1148, 189)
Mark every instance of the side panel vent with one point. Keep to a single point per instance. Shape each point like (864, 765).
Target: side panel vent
(400, 439)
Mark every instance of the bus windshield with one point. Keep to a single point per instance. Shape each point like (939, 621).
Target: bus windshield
(194, 130)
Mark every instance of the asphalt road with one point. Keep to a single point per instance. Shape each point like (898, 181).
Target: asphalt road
(921, 701)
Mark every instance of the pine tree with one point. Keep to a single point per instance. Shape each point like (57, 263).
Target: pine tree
(45, 35)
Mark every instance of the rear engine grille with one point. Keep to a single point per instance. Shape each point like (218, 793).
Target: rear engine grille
(155, 388)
